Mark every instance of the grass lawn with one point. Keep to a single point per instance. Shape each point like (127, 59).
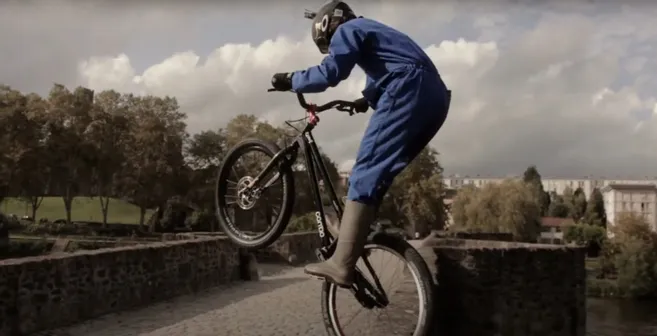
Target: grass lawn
(82, 209)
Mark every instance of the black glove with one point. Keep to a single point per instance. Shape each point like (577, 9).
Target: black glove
(361, 105)
(282, 81)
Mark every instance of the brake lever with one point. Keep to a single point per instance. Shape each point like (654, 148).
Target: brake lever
(346, 108)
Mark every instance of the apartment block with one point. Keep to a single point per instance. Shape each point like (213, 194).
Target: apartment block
(633, 198)
(557, 185)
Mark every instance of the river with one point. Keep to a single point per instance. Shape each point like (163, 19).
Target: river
(621, 318)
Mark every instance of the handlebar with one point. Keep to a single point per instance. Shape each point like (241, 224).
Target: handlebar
(340, 105)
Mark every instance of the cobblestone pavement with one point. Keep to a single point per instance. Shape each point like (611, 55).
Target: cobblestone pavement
(284, 302)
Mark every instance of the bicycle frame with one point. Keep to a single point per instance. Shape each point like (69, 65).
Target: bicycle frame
(317, 172)
(364, 291)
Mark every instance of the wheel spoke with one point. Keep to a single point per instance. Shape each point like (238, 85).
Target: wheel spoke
(255, 212)
(400, 316)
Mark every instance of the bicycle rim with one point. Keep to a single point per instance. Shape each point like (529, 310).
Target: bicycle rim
(255, 226)
(337, 327)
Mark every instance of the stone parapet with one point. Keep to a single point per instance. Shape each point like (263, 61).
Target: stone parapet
(507, 288)
(39, 293)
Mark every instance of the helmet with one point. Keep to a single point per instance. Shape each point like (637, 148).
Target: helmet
(326, 22)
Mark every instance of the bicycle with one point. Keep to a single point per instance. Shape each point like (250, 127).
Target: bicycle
(279, 171)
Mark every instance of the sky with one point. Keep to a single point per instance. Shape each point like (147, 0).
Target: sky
(570, 87)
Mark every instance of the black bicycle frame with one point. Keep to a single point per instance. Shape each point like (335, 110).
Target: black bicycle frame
(317, 172)
(314, 165)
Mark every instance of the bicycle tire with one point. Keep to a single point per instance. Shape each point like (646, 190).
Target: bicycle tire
(412, 258)
(283, 218)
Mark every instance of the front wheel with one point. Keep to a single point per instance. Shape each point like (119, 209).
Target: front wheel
(253, 217)
(408, 286)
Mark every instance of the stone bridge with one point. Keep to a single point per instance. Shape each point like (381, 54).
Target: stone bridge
(206, 286)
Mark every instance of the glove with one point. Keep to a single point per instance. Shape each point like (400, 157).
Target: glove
(282, 81)
(361, 105)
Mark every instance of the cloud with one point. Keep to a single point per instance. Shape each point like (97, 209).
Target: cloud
(564, 92)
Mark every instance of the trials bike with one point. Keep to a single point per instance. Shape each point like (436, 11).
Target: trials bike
(253, 191)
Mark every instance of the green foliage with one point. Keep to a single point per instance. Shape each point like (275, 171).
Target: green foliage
(558, 207)
(416, 196)
(585, 234)
(603, 288)
(22, 249)
(508, 207)
(635, 256)
(595, 209)
(56, 229)
(533, 179)
(302, 223)
(578, 204)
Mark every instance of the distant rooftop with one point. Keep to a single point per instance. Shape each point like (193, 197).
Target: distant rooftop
(632, 187)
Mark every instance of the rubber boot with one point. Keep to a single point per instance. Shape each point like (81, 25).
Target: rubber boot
(354, 229)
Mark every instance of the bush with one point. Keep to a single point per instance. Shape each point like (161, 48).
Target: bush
(591, 236)
(507, 207)
(22, 249)
(303, 223)
(635, 256)
(89, 245)
(603, 288)
(205, 221)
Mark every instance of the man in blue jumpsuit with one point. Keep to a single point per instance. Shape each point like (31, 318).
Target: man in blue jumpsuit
(410, 102)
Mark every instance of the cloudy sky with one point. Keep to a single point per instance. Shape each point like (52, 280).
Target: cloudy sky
(571, 88)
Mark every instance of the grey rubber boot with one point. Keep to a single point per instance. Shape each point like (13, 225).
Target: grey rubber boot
(332, 221)
(354, 228)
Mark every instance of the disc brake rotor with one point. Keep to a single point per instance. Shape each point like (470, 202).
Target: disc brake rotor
(246, 197)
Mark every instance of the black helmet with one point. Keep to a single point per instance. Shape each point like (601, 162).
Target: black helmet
(326, 22)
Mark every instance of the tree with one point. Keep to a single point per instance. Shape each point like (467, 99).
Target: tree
(155, 163)
(509, 207)
(595, 213)
(204, 153)
(636, 255)
(69, 115)
(35, 174)
(569, 200)
(415, 197)
(578, 205)
(558, 207)
(533, 178)
(14, 140)
(108, 135)
(592, 236)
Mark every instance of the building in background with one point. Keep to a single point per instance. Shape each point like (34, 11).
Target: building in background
(631, 198)
(344, 177)
(557, 185)
(552, 230)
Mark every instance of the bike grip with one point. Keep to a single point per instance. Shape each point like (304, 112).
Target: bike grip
(302, 100)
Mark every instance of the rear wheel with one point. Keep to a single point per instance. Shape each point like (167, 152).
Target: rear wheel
(253, 217)
(406, 282)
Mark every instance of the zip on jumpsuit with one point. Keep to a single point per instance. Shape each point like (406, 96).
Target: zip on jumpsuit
(410, 103)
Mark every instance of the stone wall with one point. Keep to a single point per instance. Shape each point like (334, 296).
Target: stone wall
(45, 292)
(483, 287)
(504, 288)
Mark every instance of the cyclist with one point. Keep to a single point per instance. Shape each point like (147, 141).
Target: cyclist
(410, 102)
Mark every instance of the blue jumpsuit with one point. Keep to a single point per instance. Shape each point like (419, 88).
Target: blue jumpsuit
(403, 87)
